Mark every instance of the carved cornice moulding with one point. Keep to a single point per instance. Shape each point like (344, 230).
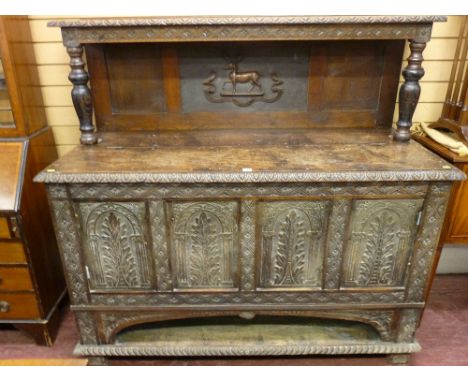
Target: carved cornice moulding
(241, 20)
(243, 28)
(249, 177)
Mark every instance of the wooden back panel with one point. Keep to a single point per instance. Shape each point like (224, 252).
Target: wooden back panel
(156, 86)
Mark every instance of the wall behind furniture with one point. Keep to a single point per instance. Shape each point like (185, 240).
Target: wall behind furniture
(52, 61)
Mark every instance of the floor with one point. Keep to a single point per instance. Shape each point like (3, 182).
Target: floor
(443, 336)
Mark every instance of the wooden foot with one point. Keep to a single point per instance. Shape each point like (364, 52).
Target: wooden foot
(98, 361)
(398, 359)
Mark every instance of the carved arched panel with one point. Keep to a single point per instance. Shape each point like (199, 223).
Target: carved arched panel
(204, 244)
(381, 237)
(292, 243)
(115, 246)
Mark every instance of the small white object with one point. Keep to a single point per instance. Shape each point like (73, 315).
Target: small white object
(247, 169)
(418, 221)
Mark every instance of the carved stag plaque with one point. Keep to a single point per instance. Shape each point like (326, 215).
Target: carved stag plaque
(380, 242)
(239, 78)
(204, 244)
(115, 246)
(292, 243)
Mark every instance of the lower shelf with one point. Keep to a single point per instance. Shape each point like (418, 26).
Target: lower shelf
(237, 337)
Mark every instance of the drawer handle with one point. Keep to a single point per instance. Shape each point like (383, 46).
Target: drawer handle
(4, 307)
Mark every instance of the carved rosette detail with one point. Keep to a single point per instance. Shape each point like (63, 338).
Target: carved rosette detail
(204, 250)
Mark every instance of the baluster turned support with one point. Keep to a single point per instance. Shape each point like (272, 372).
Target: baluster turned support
(409, 91)
(81, 95)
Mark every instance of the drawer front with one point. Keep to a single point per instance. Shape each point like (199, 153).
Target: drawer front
(18, 306)
(15, 279)
(12, 252)
(4, 229)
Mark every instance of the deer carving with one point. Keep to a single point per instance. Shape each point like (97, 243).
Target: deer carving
(236, 77)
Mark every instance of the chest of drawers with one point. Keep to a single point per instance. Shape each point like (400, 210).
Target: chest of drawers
(31, 278)
(242, 194)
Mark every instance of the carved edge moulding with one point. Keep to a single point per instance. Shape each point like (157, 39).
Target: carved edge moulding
(416, 29)
(451, 173)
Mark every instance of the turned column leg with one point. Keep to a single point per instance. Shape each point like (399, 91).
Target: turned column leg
(409, 91)
(81, 94)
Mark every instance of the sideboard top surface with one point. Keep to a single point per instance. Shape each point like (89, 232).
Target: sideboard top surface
(256, 156)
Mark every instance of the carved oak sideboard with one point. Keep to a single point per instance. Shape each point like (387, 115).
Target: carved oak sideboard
(242, 193)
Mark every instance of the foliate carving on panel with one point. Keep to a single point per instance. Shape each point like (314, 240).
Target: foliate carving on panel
(335, 242)
(87, 326)
(292, 243)
(380, 242)
(162, 191)
(204, 244)
(247, 245)
(68, 240)
(426, 242)
(159, 242)
(115, 245)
